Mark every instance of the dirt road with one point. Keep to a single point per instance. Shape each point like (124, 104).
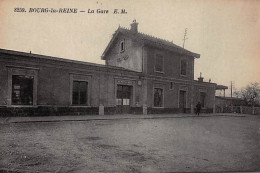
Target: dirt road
(133, 145)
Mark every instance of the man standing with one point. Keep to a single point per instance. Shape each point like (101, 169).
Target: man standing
(198, 107)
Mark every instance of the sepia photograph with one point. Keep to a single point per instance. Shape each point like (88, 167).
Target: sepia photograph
(129, 86)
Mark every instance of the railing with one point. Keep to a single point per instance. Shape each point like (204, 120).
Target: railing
(238, 109)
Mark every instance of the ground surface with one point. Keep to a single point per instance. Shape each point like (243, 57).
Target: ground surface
(133, 145)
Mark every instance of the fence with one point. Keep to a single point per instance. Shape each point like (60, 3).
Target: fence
(238, 109)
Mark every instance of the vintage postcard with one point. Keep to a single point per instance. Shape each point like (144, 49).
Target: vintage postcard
(129, 86)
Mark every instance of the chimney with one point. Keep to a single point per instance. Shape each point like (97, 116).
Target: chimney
(200, 79)
(134, 26)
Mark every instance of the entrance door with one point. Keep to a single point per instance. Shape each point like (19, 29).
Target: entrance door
(182, 101)
(123, 99)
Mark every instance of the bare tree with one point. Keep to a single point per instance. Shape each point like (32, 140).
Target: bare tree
(251, 94)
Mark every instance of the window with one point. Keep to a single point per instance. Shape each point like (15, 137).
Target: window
(159, 63)
(158, 97)
(122, 46)
(171, 85)
(123, 94)
(202, 99)
(22, 90)
(183, 67)
(80, 93)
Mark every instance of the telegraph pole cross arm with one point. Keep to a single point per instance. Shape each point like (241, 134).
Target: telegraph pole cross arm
(185, 34)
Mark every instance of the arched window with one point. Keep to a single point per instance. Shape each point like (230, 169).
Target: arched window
(122, 46)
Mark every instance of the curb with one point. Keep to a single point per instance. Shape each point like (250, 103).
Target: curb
(9, 120)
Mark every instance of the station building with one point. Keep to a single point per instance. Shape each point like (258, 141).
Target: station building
(142, 74)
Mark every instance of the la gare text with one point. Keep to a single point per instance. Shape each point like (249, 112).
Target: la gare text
(70, 10)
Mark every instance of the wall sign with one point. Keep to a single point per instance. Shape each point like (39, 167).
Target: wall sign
(125, 82)
(125, 57)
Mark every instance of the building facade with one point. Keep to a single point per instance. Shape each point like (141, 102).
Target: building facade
(143, 74)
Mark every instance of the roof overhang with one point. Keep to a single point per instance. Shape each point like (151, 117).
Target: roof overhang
(179, 50)
(221, 87)
(109, 44)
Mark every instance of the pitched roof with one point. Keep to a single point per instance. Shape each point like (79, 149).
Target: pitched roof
(57, 59)
(150, 40)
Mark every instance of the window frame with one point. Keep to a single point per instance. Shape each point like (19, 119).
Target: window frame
(22, 88)
(171, 86)
(120, 46)
(183, 88)
(84, 78)
(128, 98)
(87, 93)
(203, 104)
(186, 70)
(162, 101)
(155, 63)
(22, 71)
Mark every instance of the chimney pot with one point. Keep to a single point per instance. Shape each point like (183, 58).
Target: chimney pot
(134, 26)
(200, 79)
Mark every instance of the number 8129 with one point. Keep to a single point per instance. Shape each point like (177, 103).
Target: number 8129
(19, 10)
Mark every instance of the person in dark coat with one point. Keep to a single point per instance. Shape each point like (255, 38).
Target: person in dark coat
(198, 108)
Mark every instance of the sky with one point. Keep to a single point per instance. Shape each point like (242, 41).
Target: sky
(224, 32)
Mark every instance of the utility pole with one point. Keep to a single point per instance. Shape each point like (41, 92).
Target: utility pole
(185, 34)
(231, 89)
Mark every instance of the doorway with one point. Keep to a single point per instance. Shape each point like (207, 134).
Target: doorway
(123, 99)
(182, 101)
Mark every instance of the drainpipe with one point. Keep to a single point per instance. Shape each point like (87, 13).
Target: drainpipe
(214, 100)
(192, 89)
(144, 86)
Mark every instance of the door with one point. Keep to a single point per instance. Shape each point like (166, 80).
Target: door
(123, 99)
(182, 101)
